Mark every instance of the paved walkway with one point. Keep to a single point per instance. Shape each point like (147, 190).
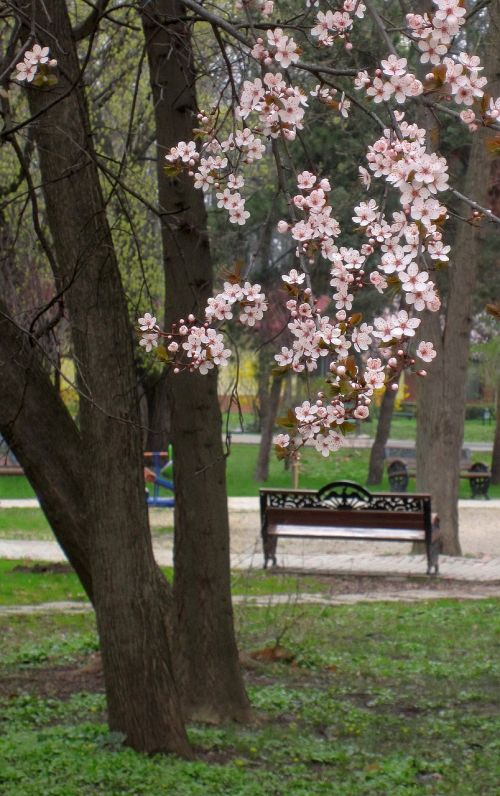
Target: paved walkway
(485, 569)
(241, 504)
(361, 441)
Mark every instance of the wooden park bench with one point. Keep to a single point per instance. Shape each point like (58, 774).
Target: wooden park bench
(402, 465)
(345, 510)
(409, 457)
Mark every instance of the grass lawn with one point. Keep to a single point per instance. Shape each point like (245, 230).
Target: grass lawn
(29, 583)
(376, 700)
(316, 471)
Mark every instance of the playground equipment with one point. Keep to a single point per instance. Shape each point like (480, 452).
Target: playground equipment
(159, 462)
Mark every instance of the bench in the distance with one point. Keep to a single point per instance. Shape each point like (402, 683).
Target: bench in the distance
(345, 510)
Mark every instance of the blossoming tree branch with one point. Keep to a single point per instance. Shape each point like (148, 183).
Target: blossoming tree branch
(398, 250)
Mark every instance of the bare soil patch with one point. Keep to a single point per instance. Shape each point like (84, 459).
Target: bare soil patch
(56, 682)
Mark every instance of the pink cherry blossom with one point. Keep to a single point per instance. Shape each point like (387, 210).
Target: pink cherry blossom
(426, 351)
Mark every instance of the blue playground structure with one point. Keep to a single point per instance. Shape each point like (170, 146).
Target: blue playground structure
(159, 462)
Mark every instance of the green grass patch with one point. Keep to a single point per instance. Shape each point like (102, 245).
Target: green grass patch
(381, 700)
(315, 471)
(14, 487)
(24, 524)
(21, 584)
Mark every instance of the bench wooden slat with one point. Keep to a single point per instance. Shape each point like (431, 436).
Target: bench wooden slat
(349, 532)
(345, 518)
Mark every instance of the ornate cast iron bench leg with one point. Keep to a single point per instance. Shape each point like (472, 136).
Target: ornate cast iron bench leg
(434, 549)
(269, 544)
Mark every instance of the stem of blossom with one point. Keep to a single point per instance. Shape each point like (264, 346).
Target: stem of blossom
(288, 197)
(450, 112)
(380, 25)
(203, 13)
(485, 210)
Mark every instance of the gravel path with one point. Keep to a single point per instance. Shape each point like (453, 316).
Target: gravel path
(479, 532)
(267, 600)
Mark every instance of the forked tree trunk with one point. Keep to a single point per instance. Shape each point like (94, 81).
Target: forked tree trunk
(130, 596)
(441, 395)
(495, 457)
(206, 656)
(377, 453)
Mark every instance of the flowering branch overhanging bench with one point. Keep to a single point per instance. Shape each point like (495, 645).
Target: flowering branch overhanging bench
(345, 510)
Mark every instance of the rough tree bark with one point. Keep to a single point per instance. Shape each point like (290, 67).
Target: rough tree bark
(155, 388)
(129, 594)
(495, 457)
(268, 418)
(207, 665)
(377, 453)
(441, 395)
(28, 401)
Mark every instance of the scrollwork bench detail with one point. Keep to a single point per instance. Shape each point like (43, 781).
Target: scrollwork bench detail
(345, 510)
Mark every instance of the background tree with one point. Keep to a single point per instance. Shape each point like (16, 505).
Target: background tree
(441, 396)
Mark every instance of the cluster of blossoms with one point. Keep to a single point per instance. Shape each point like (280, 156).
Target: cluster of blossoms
(280, 48)
(278, 106)
(202, 346)
(327, 96)
(251, 301)
(27, 69)
(211, 168)
(199, 346)
(331, 25)
(315, 336)
(434, 32)
(393, 80)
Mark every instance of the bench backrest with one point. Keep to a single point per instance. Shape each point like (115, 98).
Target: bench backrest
(347, 497)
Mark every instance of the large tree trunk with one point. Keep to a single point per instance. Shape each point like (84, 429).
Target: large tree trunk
(377, 453)
(207, 657)
(156, 388)
(29, 401)
(495, 457)
(129, 595)
(441, 395)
